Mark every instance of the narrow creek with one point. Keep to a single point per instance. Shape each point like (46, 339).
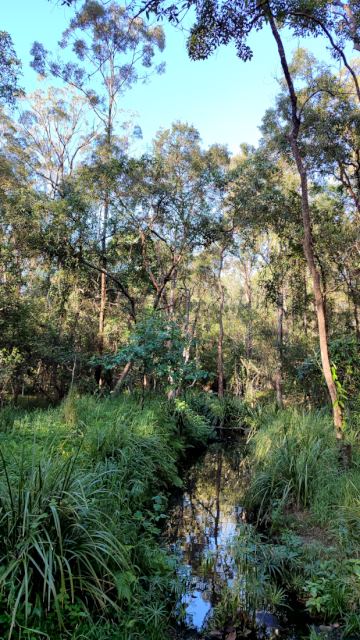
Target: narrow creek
(203, 529)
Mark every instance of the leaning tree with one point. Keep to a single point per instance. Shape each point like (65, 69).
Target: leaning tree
(219, 23)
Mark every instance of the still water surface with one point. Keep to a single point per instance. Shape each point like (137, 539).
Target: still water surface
(202, 526)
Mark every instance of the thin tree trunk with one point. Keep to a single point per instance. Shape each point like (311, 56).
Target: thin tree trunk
(308, 243)
(249, 322)
(103, 291)
(305, 322)
(220, 345)
(279, 347)
(103, 283)
(120, 382)
(319, 300)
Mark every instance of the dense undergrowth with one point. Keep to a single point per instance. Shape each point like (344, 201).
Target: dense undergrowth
(83, 491)
(302, 493)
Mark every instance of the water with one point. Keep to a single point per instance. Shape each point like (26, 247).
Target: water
(202, 526)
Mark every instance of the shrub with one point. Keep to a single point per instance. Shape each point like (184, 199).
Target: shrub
(229, 412)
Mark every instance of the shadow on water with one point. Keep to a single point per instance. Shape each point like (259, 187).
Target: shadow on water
(202, 526)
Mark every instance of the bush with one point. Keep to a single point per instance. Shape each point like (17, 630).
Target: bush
(229, 412)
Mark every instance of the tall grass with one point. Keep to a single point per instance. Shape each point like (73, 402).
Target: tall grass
(82, 493)
(289, 454)
(56, 543)
(299, 486)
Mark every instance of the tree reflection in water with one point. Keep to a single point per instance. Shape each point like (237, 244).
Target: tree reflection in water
(200, 528)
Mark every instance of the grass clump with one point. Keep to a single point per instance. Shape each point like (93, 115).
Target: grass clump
(56, 542)
(289, 453)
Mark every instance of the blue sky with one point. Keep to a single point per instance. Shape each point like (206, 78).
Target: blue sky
(222, 97)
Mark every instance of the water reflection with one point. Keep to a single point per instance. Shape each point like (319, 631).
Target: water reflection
(201, 527)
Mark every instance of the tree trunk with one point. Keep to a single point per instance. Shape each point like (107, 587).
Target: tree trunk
(123, 375)
(279, 347)
(249, 321)
(308, 243)
(220, 345)
(305, 322)
(103, 292)
(318, 296)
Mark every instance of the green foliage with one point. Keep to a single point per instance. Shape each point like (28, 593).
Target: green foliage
(312, 504)
(10, 70)
(345, 357)
(192, 424)
(56, 541)
(69, 408)
(229, 412)
(351, 625)
(9, 364)
(289, 453)
(333, 588)
(83, 494)
(84, 486)
(328, 585)
(8, 415)
(156, 347)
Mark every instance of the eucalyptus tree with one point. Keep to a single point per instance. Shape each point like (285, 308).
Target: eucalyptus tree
(25, 264)
(171, 207)
(57, 131)
(13, 198)
(110, 52)
(10, 71)
(330, 129)
(172, 201)
(220, 23)
(337, 244)
(329, 139)
(265, 209)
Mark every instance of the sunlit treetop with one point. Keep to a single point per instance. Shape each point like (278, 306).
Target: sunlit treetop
(218, 23)
(109, 43)
(10, 69)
